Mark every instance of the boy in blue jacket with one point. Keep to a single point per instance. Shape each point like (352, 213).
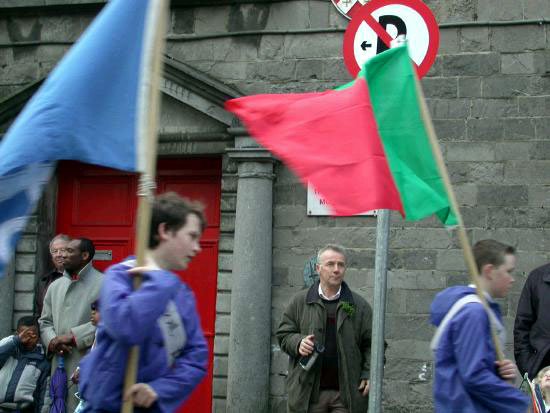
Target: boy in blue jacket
(468, 378)
(24, 369)
(160, 317)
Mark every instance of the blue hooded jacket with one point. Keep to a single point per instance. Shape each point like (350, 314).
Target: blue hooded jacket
(466, 378)
(129, 317)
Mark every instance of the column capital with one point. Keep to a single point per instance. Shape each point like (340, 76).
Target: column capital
(257, 154)
(237, 130)
(247, 149)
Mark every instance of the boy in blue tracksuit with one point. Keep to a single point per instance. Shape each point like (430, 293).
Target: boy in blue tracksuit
(468, 378)
(24, 369)
(161, 317)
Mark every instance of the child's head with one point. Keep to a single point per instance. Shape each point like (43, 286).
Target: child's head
(496, 262)
(176, 227)
(95, 312)
(28, 331)
(172, 210)
(543, 379)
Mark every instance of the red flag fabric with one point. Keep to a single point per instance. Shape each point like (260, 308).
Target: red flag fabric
(329, 139)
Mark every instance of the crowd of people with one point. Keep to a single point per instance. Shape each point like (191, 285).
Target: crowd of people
(87, 321)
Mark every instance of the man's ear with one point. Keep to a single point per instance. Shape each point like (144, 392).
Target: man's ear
(487, 271)
(162, 232)
(85, 255)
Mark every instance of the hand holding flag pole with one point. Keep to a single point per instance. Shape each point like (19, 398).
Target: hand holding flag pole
(148, 130)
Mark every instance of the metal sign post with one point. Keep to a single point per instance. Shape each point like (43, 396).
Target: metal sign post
(379, 311)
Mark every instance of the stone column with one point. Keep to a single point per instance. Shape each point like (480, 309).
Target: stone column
(250, 331)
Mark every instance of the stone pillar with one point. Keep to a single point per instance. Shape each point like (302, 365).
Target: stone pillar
(250, 331)
(7, 285)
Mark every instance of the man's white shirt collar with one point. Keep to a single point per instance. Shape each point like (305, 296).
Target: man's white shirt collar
(334, 297)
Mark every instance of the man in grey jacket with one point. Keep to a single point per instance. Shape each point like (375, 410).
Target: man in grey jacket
(65, 327)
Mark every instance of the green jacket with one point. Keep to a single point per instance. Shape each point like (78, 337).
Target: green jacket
(306, 315)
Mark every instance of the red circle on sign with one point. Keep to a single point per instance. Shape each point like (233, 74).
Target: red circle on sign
(364, 14)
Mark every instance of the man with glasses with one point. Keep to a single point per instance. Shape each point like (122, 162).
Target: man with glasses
(57, 249)
(330, 320)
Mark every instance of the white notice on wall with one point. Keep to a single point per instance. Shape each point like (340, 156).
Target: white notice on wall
(317, 206)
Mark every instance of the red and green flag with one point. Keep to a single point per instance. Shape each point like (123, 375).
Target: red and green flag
(364, 146)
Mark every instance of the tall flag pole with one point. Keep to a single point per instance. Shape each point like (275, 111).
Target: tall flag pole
(382, 246)
(463, 239)
(153, 50)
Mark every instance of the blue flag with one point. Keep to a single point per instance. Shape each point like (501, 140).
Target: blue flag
(90, 108)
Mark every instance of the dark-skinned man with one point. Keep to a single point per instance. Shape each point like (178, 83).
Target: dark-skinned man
(65, 326)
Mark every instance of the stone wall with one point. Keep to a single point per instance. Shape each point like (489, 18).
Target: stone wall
(223, 298)
(489, 95)
(32, 256)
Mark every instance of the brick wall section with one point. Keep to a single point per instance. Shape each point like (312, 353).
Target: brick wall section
(223, 298)
(488, 93)
(25, 272)
(32, 256)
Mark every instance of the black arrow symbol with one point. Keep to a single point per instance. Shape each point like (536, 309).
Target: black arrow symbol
(364, 45)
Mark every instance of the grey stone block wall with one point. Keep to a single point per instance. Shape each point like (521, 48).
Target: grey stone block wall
(223, 297)
(32, 256)
(7, 301)
(25, 272)
(489, 96)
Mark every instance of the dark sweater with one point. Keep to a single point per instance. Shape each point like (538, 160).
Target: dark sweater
(41, 288)
(329, 367)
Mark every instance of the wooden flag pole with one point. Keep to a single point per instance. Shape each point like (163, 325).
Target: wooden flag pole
(467, 249)
(148, 131)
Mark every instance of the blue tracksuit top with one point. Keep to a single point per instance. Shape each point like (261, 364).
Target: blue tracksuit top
(466, 378)
(131, 317)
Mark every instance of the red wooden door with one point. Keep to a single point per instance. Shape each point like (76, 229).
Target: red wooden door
(100, 204)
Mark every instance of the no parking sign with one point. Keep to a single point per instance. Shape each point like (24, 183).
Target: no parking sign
(377, 23)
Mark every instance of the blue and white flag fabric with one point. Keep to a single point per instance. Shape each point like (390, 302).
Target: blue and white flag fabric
(91, 108)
